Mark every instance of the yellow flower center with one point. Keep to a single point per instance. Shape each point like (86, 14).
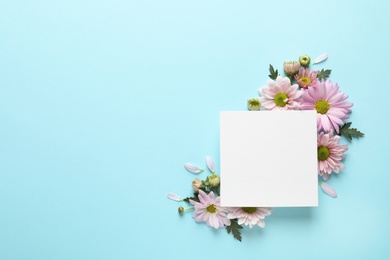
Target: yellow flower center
(249, 210)
(212, 208)
(280, 99)
(322, 106)
(305, 80)
(323, 153)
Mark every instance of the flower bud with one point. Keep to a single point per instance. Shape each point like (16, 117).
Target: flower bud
(291, 68)
(254, 104)
(180, 210)
(304, 60)
(196, 184)
(213, 180)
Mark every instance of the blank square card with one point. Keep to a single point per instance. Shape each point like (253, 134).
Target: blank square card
(268, 158)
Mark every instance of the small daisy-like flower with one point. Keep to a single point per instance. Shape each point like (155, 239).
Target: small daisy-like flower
(330, 103)
(208, 210)
(306, 79)
(249, 215)
(280, 95)
(330, 154)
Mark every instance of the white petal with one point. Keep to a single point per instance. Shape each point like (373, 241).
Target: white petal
(210, 164)
(192, 168)
(174, 197)
(320, 58)
(328, 190)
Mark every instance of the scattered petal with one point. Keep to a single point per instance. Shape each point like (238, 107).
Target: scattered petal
(328, 189)
(192, 168)
(174, 197)
(210, 164)
(320, 58)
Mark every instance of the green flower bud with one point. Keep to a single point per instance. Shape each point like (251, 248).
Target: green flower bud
(254, 104)
(304, 60)
(213, 180)
(180, 210)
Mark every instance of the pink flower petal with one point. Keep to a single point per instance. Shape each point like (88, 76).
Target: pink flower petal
(192, 168)
(328, 189)
(210, 164)
(174, 197)
(320, 58)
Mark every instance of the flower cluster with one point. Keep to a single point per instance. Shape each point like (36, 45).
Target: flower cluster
(207, 208)
(302, 88)
(306, 89)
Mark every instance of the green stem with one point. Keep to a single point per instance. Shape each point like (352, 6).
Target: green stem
(291, 79)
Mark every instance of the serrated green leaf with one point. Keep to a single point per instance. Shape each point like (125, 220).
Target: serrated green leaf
(322, 74)
(273, 73)
(190, 198)
(350, 133)
(195, 198)
(234, 229)
(346, 125)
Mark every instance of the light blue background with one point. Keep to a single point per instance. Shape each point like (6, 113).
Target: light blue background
(102, 102)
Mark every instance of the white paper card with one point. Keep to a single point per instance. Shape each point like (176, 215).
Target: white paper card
(268, 158)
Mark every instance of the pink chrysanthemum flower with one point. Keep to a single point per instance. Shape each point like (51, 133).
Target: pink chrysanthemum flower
(306, 79)
(209, 210)
(330, 154)
(280, 95)
(330, 103)
(249, 215)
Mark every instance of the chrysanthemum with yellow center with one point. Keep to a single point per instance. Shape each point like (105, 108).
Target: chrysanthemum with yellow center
(329, 154)
(306, 78)
(250, 216)
(280, 95)
(208, 209)
(322, 106)
(211, 208)
(330, 104)
(323, 153)
(249, 210)
(281, 99)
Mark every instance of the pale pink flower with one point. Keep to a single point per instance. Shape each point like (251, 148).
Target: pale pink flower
(280, 95)
(249, 215)
(208, 210)
(329, 154)
(330, 103)
(306, 79)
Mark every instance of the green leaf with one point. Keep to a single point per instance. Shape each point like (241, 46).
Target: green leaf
(195, 198)
(273, 73)
(350, 133)
(322, 74)
(234, 229)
